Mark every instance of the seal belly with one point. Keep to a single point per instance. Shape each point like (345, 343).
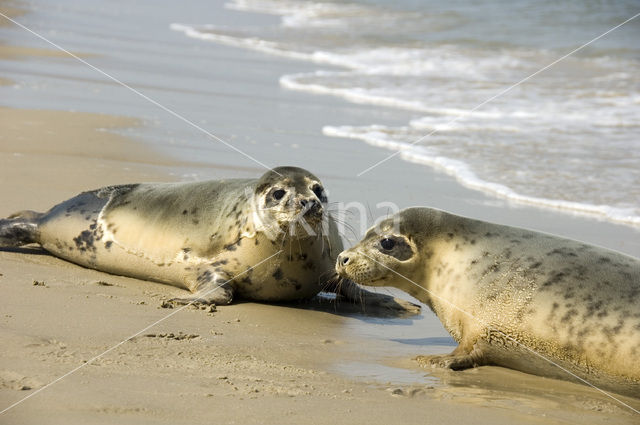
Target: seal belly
(73, 230)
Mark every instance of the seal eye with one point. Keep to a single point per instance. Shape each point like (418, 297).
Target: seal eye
(387, 244)
(278, 194)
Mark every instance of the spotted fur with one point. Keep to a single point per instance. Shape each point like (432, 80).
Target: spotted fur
(502, 291)
(209, 237)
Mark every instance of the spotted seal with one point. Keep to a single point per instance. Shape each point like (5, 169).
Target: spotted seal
(512, 297)
(268, 239)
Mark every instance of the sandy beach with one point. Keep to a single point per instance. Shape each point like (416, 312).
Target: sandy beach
(64, 128)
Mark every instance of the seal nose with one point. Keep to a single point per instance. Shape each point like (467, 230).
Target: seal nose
(343, 260)
(310, 205)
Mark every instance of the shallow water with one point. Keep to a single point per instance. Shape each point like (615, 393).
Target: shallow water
(388, 340)
(379, 350)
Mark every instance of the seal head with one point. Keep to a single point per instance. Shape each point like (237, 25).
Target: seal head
(290, 200)
(388, 255)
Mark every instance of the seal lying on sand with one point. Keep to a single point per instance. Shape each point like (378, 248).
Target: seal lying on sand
(512, 297)
(258, 239)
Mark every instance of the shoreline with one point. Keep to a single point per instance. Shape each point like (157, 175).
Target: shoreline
(274, 364)
(286, 135)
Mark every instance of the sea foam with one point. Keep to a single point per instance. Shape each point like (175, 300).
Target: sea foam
(378, 136)
(567, 139)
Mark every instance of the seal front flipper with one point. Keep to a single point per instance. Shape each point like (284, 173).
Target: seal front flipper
(210, 287)
(458, 359)
(216, 295)
(353, 292)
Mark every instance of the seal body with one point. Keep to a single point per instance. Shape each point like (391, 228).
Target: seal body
(266, 239)
(512, 297)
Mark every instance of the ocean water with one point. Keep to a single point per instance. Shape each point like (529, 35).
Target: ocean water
(567, 138)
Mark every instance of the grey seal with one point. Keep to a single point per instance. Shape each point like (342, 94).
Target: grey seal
(512, 297)
(268, 239)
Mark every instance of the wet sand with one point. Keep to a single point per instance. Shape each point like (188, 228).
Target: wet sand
(316, 362)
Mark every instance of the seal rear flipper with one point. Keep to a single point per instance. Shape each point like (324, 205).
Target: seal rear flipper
(19, 229)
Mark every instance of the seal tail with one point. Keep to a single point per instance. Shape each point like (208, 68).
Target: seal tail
(19, 229)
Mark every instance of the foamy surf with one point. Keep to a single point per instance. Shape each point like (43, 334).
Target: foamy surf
(376, 136)
(568, 139)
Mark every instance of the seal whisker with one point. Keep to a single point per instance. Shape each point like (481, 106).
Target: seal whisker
(299, 246)
(347, 226)
(341, 211)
